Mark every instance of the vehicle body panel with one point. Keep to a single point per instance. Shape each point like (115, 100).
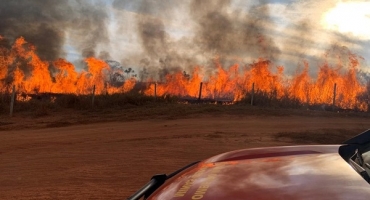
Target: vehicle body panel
(302, 172)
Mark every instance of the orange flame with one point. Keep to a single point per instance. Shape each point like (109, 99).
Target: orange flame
(235, 84)
(21, 66)
(32, 75)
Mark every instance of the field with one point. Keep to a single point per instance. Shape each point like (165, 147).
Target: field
(109, 153)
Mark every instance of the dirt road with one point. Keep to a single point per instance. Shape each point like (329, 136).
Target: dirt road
(112, 160)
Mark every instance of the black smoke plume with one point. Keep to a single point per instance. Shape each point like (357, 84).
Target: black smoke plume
(44, 24)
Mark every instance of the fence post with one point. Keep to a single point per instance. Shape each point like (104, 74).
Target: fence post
(12, 101)
(93, 96)
(2, 96)
(155, 90)
(334, 95)
(368, 103)
(308, 96)
(252, 96)
(200, 91)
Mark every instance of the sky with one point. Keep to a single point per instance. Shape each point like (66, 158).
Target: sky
(180, 34)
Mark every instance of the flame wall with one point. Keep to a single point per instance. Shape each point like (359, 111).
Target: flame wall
(21, 66)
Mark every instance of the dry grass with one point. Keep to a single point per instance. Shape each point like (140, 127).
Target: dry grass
(45, 115)
(43, 104)
(65, 110)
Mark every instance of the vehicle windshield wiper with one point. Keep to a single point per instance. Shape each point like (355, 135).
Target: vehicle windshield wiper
(360, 170)
(359, 158)
(358, 167)
(155, 182)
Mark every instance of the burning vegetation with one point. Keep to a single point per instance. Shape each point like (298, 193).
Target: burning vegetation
(22, 67)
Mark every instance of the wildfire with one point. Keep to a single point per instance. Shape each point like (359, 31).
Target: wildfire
(22, 67)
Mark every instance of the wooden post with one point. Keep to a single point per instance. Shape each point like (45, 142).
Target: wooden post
(93, 96)
(308, 97)
(155, 90)
(3, 92)
(12, 101)
(334, 95)
(252, 95)
(200, 91)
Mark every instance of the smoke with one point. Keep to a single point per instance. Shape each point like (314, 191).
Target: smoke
(218, 28)
(148, 7)
(44, 24)
(162, 54)
(227, 31)
(153, 35)
(90, 22)
(231, 30)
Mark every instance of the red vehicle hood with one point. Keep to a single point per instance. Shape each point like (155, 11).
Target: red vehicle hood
(304, 172)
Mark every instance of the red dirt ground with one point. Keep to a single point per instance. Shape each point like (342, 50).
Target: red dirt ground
(113, 159)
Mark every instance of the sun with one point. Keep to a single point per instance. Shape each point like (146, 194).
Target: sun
(349, 18)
